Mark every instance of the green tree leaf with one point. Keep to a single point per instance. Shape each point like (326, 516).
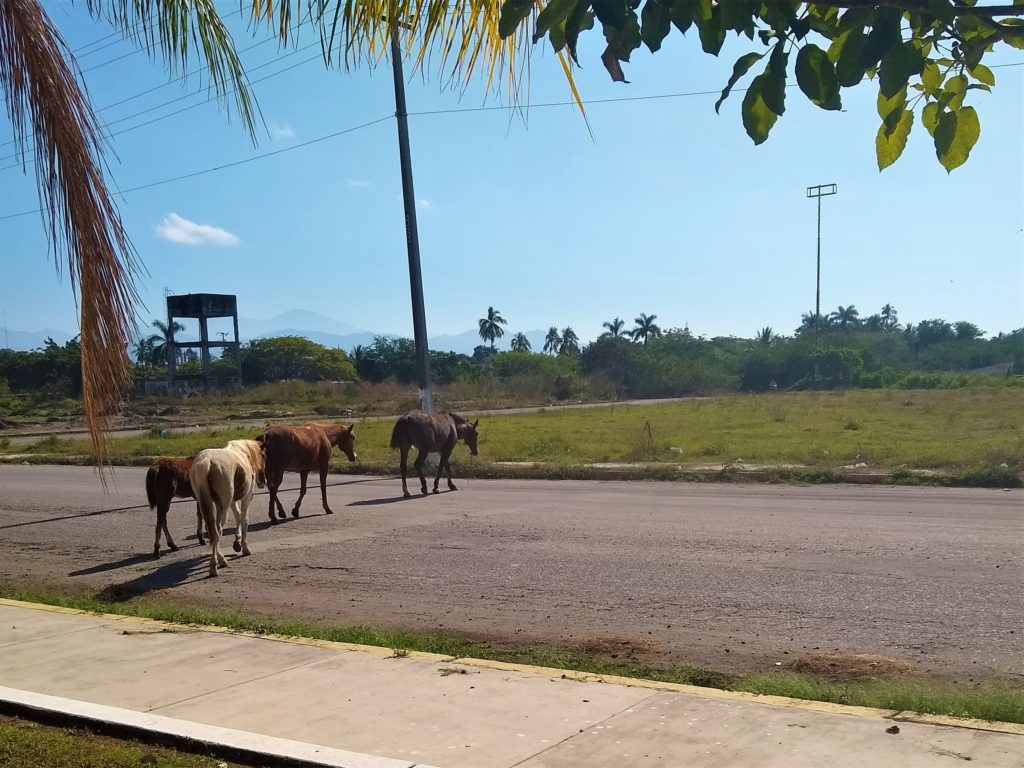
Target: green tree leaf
(931, 77)
(955, 136)
(711, 31)
(611, 12)
(739, 69)
(817, 77)
(890, 143)
(983, 74)
(580, 19)
(849, 69)
(930, 116)
(512, 13)
(887, 106)
(758, 118)
(655, 23)
(554, 13)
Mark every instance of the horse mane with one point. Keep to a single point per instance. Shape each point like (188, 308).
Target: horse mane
(251, 450)
(458, 419)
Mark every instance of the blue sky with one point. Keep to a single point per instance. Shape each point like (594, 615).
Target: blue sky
(671, 209)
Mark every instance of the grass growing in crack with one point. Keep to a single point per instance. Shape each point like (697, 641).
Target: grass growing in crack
(990, 702)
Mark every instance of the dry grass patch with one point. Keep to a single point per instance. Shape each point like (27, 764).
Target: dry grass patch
(849, 668)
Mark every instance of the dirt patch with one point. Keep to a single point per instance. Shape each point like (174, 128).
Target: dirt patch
(616, 647)
(849, 668)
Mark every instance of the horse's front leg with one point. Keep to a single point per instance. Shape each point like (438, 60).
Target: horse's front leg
(237, 513)
(404, 450)
(418, 464)
(243, 523)
(323, 489)
(302, 492)
(440, 469)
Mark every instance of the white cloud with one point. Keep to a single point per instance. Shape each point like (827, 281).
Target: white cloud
(424, 204)
(357, 183)
(281, 131)
(180, 230)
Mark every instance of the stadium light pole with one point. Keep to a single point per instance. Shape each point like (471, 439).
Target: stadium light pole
(412, 237)
(819, 191)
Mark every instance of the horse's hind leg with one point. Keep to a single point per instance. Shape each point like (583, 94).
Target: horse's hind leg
(274, 478)
(448, 468)
(440, 469)
(405, 455)
(199, 525)
(302, 492)
(161, 525)
(420, 458)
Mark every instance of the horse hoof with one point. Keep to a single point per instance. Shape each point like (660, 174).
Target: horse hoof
(173, 547)
(328, 511)
(406, 495)
(424, 490)
(452, 488)
(281, 514)
(295, 513)
(436, 491)
(156, 553)
(237, 546)
(202, 543)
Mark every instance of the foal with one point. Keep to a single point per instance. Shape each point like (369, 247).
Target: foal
(167, 479)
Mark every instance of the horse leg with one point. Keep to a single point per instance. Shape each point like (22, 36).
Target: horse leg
(237, 543)
(244, 524)
(161, 518)
(163, 524)
(302, 492)
(279, 477)
(323, 488)
(222, 515)
(440, 468)
(405, 455)
(199, 525)
(418, 464)
(448, 469)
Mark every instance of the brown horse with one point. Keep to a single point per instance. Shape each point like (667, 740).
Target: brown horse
(302, 449)
(432, 432)
(168, 479)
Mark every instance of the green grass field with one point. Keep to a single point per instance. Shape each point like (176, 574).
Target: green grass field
(949, 430)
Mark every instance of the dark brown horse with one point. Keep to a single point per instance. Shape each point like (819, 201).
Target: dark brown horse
(168, 479)
(302, 449)
(431, 432)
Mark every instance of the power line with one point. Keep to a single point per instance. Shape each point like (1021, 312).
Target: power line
(236, 163)
(31, 153)
(623, 99)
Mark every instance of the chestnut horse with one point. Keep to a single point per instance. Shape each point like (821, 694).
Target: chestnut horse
(432, 432)
(167, 479)
(222, 478)
(302, 449)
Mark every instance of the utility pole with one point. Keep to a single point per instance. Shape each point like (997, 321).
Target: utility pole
(819, 191)
(419, 319)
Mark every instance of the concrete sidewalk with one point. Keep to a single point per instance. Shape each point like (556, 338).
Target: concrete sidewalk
(359, 707)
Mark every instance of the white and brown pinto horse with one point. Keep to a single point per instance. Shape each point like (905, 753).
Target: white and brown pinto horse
(222, 478)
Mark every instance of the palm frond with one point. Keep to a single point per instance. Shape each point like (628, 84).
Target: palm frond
(42, 92)
(172, 28)
(451, 40)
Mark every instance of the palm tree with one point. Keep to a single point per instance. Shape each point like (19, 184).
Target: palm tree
(520, 343)
(570, 343)
(645, 328)
(490, 326)
(143, 351)
(553, 341)
(873, 323)
(765, 337)
(616, 328)
(845, 317)
(160, 342)
(890, 318)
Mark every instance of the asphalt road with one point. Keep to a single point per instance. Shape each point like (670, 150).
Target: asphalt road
(729, 577)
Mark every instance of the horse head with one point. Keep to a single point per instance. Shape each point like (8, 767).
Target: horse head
(469, 435)
(346, 441)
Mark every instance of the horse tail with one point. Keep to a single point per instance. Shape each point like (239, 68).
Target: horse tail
(205, 500)
(396, 433)
(151, 486)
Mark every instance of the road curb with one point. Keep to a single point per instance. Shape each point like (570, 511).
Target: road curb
(228, 743)
(710, 693)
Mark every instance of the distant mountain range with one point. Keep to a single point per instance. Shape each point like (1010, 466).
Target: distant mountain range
(296, 322)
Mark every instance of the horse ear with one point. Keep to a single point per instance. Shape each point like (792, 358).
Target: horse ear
(475, 423)
(351, 427)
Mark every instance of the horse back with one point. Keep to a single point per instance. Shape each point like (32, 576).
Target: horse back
(168, 478)
(294, 449)
(427, 431)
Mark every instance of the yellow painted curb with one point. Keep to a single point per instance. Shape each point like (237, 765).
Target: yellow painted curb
(586, 677)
